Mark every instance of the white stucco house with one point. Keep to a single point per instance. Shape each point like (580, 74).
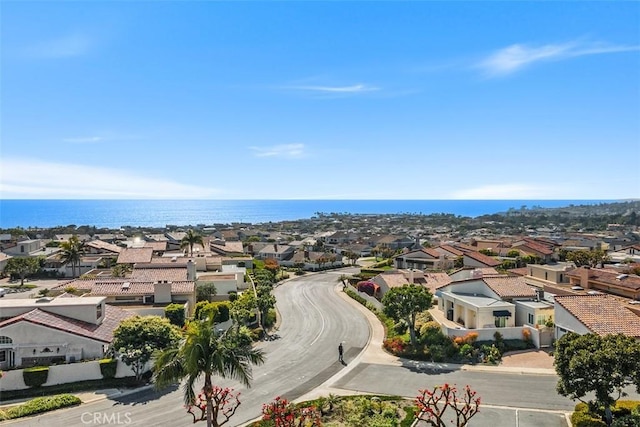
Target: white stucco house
(55, 330)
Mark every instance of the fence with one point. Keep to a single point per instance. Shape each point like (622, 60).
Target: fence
(64, 374)
(377, 304)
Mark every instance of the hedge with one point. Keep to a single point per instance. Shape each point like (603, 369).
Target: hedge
(108, 367)
(39, 405)
(35, 377)
(175, 314)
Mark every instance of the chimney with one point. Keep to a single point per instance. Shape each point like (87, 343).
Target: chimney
(411, 278)
(191, 270)
(584, 277)
(275, 247)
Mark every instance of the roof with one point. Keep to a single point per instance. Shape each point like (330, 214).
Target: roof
(172, 274)
(482, 258)
(435, 281)
(134, 255)
(509, 286)
(99, 244)
(156, 246)
(450, 249)
(228, 247)
(601, 314)
(610, 277)
(102, 332)
(114, 287)
(393, 279)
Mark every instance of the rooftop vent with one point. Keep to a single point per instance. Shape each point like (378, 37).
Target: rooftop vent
(622, 276)
(126, 285)
(44, 300)
(174, 259)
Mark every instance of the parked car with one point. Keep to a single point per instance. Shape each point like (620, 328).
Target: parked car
(3, 291)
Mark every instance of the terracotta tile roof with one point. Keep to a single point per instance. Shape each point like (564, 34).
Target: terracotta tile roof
(159, 274)
(522, 271)
(102, 332)
(393, 279)
(451, 249)
(105, 246)
(601, 314)
(113, 287)
(168, 259)
(610, 277)
(482, 258)
(435, 281)
(228, 247)
(508, 287)
(134, 255)
(156, 246)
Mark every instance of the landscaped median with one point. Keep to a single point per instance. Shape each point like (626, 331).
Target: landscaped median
(39, 405)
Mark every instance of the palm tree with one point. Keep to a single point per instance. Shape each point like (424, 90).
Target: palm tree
(72, 252)
(205, 352)
(189, 240)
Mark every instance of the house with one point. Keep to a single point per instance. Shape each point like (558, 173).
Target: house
(159, 247)
(484, 302)
(393, 242)
(225, 248)
(539, 248)
(599, 314)
(449, 251)
(65, 237)
(388, 280)
(466, 273)
(423, 259)
(275, 251)
(140, 296)
(541, 275)
(98, 247)
(608, 281)
(31, 247)
(4, 259)
(51, 330)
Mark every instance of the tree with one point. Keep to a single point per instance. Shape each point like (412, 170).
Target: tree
(22, 267)
(587, 258)
(603, 365)
(72, 252)
(405, 303)
(286, 414)
(190, 239)
(205, 352)
(271, 265)
(137, 338)
(244, 308)
(265, 302)
(225, 402)
(175, 314)
(121, 270)
(205, 290)
(344, 279)
(433, 404)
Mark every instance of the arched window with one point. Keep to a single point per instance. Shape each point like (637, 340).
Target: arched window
(5, 340)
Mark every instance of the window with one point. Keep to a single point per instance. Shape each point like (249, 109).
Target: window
(5, 340)
(501, 322)
(98, 311)
(530, 318)
(3, 356)
(546, 275)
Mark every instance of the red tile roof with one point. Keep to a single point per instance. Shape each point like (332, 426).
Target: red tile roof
(134, 255)
(601, 314)
(508, 287)
(482, 258)
(102, 332)
(114, 287)
(174, 274)
(611, 277)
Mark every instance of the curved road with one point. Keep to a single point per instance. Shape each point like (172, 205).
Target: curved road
(303, 355)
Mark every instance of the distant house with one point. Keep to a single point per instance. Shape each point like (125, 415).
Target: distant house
(225, 248)
(31, 247)
(98, 247)
(598, 314)
(393, 242)
(275, 251)
(608, 281)
(476, 259)
(423, 259)
(541, 275)
(51, 330)
(135, 255)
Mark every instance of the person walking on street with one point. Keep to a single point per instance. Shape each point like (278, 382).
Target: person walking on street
(340, 352)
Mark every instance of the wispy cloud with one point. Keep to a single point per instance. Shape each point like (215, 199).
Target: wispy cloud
(34, 178)
(517, 56)
(62, 47)
(85, 140)
(283, 150)
(353, 89)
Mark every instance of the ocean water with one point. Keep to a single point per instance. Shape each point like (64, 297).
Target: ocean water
(159, 213)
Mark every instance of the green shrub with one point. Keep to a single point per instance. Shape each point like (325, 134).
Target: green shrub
(36, 376)
(630, 420)
(108, 368)
(42, 404)
(270, 318)
(175, 314)
(624, 407)
(205, 309)
(585, 419)
(233, 295)
(581, 407)
(223, 311)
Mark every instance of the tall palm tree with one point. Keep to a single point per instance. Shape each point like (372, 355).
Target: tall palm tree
(72, 252)
(205, 352)
(189, 240)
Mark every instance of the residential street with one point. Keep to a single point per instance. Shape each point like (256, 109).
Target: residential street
(302, 363)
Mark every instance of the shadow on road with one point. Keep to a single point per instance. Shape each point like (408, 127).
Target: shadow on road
(430, 368)
(144, 396)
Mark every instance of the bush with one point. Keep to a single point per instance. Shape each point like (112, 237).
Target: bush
(631, 420)
(42, 404)
(175, 314)
(223, 312)
(585, 419)
(395, 345)
(624, 407)
(36, 376)
(204, 309)
(270, 318)
(108, 368)
(233, 295)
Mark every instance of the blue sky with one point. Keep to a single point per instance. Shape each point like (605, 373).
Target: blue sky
(320, 100)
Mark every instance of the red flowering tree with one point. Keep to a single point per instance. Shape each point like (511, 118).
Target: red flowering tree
(367, 287)
(225, 403)
(285, 414)
(432, 405)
